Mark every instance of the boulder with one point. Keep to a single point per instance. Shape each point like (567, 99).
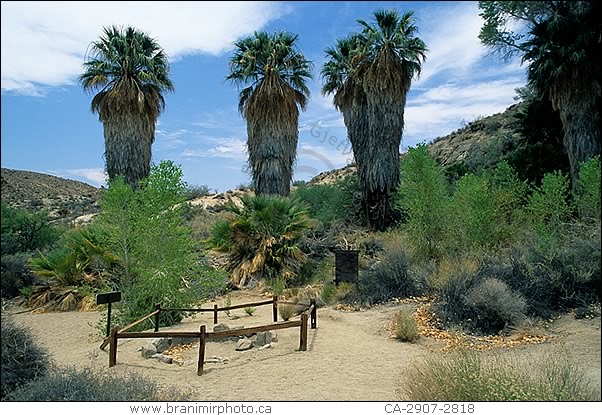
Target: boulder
(263, 338)
(244, 344)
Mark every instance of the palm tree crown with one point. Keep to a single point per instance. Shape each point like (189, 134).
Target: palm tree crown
(130, 71)
(370, 73)
(272, 73)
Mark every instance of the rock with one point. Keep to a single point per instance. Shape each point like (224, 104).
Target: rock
(163, 358)
(265, 346)
(221, 327)
(244, 344)
(274, 336)
(161, 344)
(263, 338)
(148, 351)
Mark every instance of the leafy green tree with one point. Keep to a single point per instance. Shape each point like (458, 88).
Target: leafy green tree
(560, 40)
(424, 195)
(261, 239)
(588, 190)
(370, 74)
(273, 74)
(131, 73)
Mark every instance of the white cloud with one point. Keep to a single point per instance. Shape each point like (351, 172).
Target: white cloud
(44, 43)
(230, 148)
(94, 176)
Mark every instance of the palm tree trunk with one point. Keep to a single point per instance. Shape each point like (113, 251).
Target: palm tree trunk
(272, 147)
(128, 141)
(579, 110)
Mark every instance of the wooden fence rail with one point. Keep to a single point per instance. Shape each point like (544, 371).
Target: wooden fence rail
(203, 335)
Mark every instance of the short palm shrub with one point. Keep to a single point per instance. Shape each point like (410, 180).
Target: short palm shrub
(91, 384)
(249, 310)
(469, 376)
(404, 327)
(261, 239)
(22, 360)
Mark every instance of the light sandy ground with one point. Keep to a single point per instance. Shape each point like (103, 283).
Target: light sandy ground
(350, 356)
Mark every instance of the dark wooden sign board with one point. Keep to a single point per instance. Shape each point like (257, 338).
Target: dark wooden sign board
(108, 298)
(346, 264)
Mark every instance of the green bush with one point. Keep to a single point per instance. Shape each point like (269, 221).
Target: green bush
(588, 189)
(90, 384)
(194, 192)
(390, 278)
(404, 327)
(23, 231)
(15, 275)
(423, 196)
(466, 376)
(22, 360)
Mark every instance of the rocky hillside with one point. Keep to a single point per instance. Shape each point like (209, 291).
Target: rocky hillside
(64, 199)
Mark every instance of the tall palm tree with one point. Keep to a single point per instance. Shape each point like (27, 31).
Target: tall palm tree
(130, 71)
(564, 54)
(273, 74)
(370, 74)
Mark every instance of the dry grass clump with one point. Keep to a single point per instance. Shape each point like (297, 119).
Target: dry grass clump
(468, 376)
(403, 326)
(286, 311)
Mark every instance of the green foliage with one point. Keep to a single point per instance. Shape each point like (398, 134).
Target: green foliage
(144, 228)
(195, 192)
(23, 231)
(92, 384)
(467, 376)
(404, 326)
(588, 190)
(261, 239)
(424, 196)
(15, 276)
(22, 360)
(250, 310)
(548, 206)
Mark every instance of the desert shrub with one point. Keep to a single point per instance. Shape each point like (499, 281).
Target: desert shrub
(466, 376)
(328, 292)
(261, 239)
(495, 305)
(325, 202)
(588, 189)
(286, 311)
(23, 231)
(484, 305)
(15, 275)
(249, 310)
(404, 327)
(22, 360)
(390, 278)
(91, 384)
(194, 192)
(424, 197)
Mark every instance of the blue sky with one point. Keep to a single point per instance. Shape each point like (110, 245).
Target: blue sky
(47, 126)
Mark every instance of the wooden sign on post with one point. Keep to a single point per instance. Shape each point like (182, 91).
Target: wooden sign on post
(108, 298)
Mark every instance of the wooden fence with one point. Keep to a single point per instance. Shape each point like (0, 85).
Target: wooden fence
(116, 334)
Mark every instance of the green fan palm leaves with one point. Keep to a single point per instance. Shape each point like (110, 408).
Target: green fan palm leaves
(272, 74)
(564, 54)
(130, 72)
(261, 239)
(370, 74)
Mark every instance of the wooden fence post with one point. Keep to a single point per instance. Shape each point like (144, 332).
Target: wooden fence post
(314, 314)
(215, 314)
(275, 307)
(157, 307)
(303, 340)
(113, 347)
(202, 342)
